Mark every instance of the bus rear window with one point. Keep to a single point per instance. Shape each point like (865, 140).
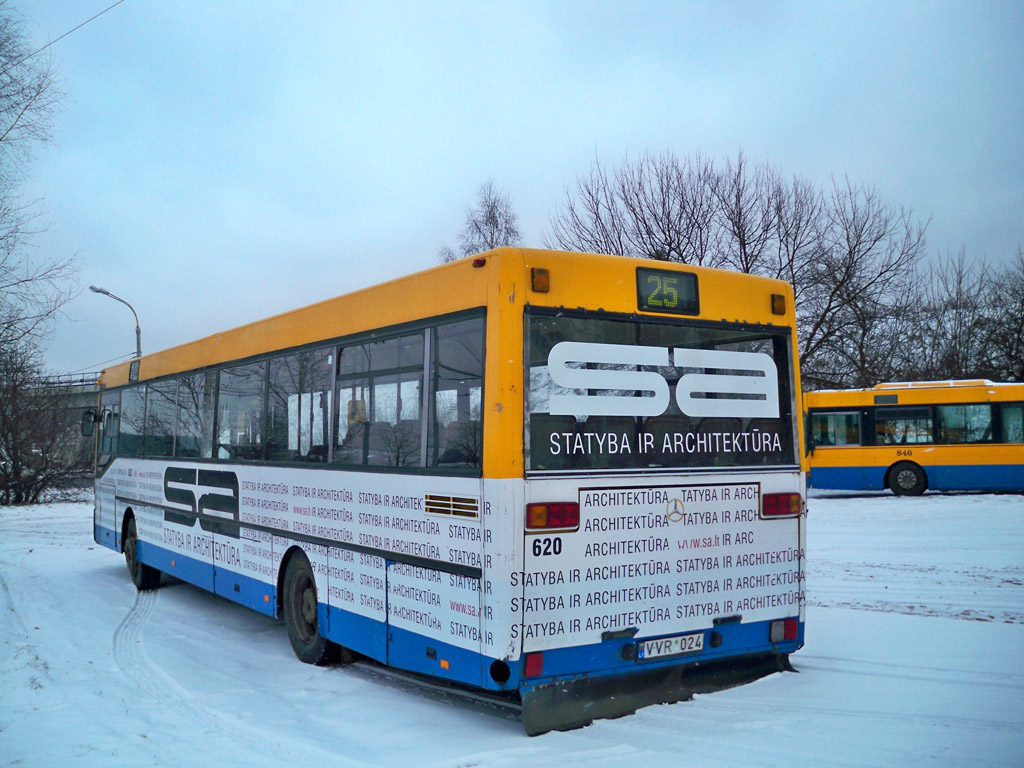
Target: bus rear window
(620, 394)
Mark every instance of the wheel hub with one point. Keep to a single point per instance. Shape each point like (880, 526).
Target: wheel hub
(309, 606)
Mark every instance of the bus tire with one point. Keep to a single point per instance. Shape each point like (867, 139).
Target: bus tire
(907, 479)
(300, 613)
(144, 577)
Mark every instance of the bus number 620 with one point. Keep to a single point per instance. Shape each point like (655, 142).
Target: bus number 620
(547, 546)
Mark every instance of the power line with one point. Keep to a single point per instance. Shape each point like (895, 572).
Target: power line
(23, 59)
(92, 366)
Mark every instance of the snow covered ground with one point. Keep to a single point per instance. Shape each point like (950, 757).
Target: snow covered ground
(914, 656)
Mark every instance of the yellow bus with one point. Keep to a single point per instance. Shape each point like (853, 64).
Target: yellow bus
(910, 437)
(569, 481)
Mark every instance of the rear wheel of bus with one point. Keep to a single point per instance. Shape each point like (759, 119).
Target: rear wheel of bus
(907, 479)
(144, 577)
(300, 613)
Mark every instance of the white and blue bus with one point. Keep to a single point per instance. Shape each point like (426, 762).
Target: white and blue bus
(569, 481)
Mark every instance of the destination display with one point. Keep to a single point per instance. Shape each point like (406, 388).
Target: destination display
(670, 292)
(660, 560)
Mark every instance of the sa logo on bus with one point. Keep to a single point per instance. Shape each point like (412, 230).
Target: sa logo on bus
(749, 390)
(207, 495)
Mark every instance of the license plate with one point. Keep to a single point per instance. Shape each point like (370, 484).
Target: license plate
(670, 646)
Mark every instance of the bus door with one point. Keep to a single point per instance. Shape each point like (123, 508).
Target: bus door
(105, 518)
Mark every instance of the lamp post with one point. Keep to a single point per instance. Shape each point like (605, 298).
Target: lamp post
(138, 331)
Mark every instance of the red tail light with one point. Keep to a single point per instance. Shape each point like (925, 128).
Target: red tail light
(557, 514)
(534, 665)
(783, 630)
(781, 505)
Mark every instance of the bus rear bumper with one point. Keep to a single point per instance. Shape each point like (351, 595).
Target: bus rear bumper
(567, 704)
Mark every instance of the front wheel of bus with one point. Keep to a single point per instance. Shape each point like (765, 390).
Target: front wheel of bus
(300, 613)
(144, 577)
(907, 479)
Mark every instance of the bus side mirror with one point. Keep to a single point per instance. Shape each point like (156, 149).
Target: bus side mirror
(88, 422)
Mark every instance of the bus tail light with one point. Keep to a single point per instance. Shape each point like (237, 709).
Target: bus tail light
(555, 514)
(534, 666)
(782, 630)
(781, 505)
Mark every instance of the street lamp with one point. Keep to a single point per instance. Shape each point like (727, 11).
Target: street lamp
(138, 331)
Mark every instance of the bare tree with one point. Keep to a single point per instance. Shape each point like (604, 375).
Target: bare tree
(593, 220)
(1003, 348)
(748, 207)
(41, 448)
(490, 223)
(849, 255)
(857, 285)
(953, 317)
(656, 207)
(31, 291)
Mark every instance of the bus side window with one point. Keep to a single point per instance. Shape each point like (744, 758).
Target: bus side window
(240, 430)
(194, 437)
(965, 423)
(161, 416)
(378, 402)
(299, 406)
(133, 421)
(1013, 423)
(835, 428)
(455, 436)
(903, 426)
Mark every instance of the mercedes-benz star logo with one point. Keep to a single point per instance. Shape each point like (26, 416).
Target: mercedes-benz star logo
(674, 510)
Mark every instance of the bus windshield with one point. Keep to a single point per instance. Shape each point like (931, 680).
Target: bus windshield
(617, 393)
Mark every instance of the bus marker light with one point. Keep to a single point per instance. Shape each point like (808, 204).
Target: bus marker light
(556, 514)
(534, 666)
(778, 304)
(445, 664)
(781, 505)
(540, 280)
(479, 262)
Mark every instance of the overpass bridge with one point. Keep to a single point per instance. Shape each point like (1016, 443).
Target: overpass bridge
(79, 388)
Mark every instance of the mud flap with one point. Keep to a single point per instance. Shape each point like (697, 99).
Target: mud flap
(570, 704)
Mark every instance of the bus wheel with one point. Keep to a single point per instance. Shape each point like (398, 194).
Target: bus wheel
(300, 613)
(907, 479)
(144, 577)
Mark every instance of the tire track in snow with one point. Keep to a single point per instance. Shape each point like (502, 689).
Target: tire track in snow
(130, 655)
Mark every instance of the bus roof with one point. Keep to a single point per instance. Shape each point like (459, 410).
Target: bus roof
(500, 278)
(917, 393)
(933, 384)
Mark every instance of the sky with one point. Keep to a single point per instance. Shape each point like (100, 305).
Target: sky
(216, 163)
